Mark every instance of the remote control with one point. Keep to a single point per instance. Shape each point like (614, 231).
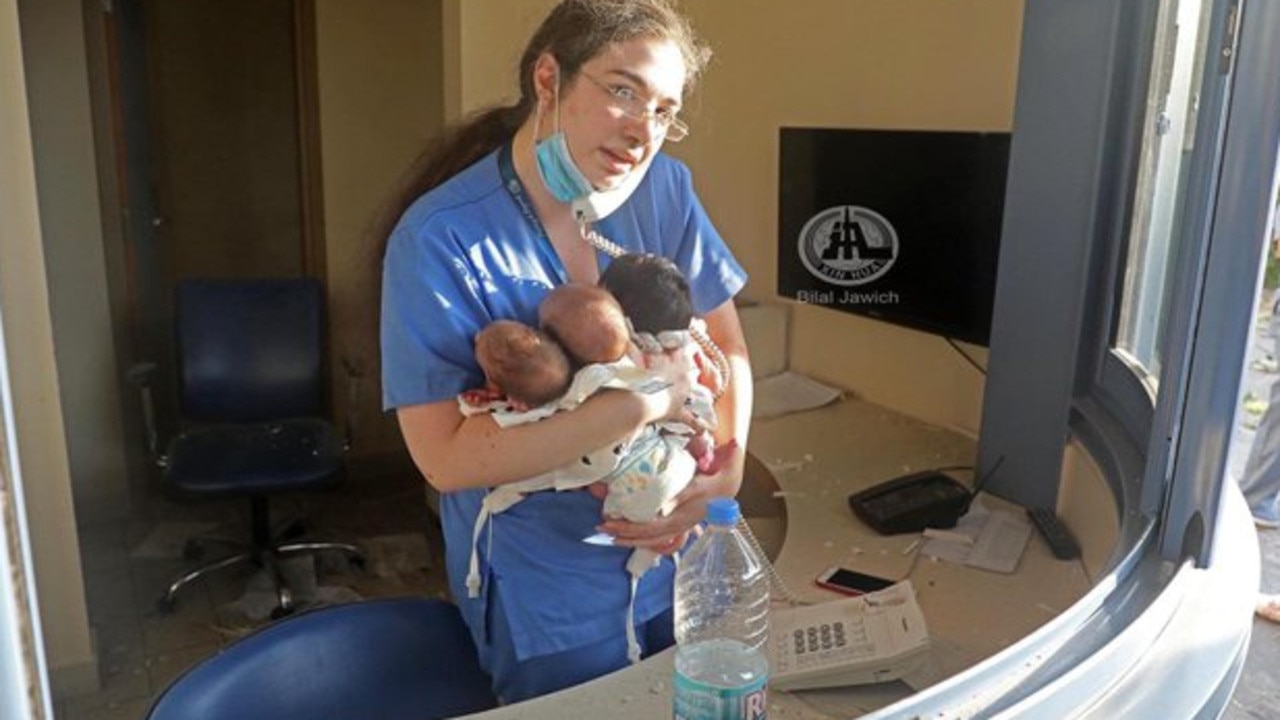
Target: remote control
(1064, 546)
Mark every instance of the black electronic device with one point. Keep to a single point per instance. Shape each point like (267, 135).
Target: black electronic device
(1061, 542)
(899, 225)
(912, 503)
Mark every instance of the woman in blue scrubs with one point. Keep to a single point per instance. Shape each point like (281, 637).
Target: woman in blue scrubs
(499, 214)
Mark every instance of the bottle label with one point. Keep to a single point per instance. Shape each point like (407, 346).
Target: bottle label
(699, 701)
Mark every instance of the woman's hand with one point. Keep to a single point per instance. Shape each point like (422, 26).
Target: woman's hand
(664, 535)
(668, 534)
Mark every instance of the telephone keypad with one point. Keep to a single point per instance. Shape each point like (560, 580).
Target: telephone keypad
(815, 644)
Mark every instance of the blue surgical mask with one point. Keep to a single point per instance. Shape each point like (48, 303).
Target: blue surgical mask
(566, 182)
(559, 173)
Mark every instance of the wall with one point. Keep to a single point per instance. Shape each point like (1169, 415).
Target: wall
(484, 40)
(381, 100)
(908, 64)
(58, 90)
(392, 74)
(920, 64)
(22, 693)
(1088, 508)
(59, 108)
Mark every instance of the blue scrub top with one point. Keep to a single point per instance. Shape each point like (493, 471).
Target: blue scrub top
(464, 255)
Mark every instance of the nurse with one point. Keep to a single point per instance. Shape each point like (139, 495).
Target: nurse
(499, 213)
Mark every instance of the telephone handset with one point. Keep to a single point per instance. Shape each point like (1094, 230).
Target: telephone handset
(871, 638)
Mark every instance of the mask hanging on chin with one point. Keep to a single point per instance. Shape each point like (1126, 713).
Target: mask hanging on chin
(559, 173)
(567, 183)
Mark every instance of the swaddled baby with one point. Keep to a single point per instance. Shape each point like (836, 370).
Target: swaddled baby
(655, 298)
(621, 334)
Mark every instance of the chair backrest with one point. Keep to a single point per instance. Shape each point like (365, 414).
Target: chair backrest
(393, 659)
(250, 350)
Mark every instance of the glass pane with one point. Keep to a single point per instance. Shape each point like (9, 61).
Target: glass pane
(1167, 144)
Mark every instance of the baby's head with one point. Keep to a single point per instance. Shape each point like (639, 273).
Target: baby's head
(587, 321)
(651, 290)
(526, 364)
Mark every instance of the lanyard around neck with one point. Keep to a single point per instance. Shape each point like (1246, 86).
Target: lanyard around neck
(511, 181)
(515, 188)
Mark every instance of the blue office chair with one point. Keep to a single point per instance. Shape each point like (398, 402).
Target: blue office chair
(251, 400)
(391, 659)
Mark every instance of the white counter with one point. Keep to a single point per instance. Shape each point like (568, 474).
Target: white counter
(820, 457)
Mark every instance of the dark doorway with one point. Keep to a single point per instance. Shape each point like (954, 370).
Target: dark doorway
(211, 102)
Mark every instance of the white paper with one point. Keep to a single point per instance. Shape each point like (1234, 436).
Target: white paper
(970, 525)
(789, 392)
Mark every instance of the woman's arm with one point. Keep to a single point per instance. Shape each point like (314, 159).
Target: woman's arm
(733, 414)
(457, 453)
(733, 409)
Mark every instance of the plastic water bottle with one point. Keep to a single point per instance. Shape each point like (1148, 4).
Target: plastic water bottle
(722, 623)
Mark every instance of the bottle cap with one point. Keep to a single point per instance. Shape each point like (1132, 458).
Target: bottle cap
(723, 511)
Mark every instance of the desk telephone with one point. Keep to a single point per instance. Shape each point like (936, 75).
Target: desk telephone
(871, 638)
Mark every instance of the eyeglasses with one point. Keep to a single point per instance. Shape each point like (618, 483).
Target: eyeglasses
(631, 103)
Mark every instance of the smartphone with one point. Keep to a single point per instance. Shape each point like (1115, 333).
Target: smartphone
(851, 582)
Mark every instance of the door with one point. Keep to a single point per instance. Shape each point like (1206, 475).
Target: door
(226, 164)
(213, 119)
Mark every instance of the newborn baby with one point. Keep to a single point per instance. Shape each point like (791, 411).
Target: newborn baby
(613, 341)
(523, 366)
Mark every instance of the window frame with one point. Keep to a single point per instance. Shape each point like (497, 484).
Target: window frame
(1073, 163)
(1066, 244)
(1167, 624)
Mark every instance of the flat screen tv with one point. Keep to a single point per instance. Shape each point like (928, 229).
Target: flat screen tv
(898, 225)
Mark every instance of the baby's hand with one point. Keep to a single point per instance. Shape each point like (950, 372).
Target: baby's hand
(712, 459)
(480, 397)
(677, 369)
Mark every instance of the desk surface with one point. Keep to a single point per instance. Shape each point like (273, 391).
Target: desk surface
(818, 458)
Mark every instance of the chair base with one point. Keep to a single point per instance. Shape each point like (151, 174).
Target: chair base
(196, 548)
(266, 559)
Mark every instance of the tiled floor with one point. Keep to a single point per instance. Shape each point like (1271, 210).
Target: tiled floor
(142, 650)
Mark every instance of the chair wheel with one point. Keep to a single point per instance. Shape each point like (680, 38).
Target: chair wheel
(165, 605)
(281, 612)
